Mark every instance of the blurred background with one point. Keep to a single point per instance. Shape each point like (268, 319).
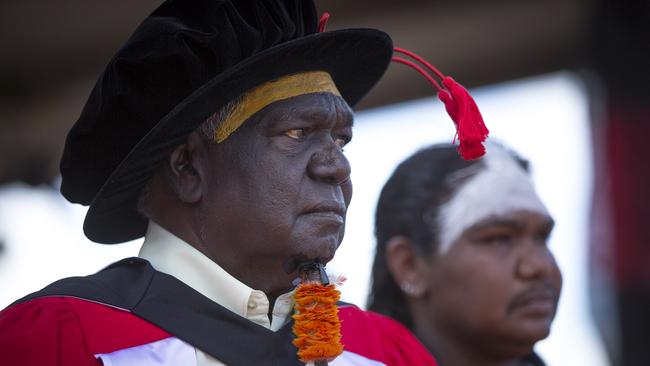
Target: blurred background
(564, 82)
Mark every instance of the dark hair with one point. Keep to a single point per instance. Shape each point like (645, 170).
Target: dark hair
(408, 206)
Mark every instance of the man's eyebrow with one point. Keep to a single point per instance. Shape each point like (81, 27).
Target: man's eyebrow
(315, 115)
(508, 222)
(487, 223)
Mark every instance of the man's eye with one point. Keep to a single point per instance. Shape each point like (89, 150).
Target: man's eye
(296, 133)
(497, 240)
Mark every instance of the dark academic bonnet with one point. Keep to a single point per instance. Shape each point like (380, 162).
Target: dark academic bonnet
(183, 63)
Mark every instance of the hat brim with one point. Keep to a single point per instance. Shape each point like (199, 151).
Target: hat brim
(355, 58)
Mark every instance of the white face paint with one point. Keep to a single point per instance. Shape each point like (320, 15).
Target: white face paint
(499, 187)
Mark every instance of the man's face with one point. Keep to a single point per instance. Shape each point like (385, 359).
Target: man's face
(498, 284)
(279, 187)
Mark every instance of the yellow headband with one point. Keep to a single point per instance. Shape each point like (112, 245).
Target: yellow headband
(283, 88)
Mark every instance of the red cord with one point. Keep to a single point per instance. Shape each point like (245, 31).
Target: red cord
(420, 60)
(420, 70)
(322, 23)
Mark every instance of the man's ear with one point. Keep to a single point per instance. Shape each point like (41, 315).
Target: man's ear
(186, 168)
(406, 266)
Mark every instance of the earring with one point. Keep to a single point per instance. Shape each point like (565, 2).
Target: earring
(411, 289)
(188, 168)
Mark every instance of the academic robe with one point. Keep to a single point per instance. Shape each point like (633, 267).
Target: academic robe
(131, 314)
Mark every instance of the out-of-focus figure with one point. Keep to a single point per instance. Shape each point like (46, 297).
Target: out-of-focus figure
(462, 258)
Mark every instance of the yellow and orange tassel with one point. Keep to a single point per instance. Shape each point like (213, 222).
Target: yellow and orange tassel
(316, 323)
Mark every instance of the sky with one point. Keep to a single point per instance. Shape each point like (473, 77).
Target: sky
(545, 119)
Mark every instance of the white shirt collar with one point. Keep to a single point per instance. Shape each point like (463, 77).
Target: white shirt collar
(169, 254)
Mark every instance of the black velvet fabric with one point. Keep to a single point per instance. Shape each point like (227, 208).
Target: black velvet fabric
(185, 61)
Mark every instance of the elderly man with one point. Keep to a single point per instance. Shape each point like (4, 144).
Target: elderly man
(217, 133)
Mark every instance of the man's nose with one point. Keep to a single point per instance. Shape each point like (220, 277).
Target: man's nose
(329, 165)
(534, 261)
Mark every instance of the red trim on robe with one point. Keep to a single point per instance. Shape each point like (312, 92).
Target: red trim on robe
(57, 331)
(381, 338)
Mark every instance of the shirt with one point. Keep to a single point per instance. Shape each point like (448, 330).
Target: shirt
(170, 254)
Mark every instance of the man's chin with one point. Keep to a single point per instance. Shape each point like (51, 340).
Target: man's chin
(533, 330)
(326, 250)
(321, 254)
(316, 250)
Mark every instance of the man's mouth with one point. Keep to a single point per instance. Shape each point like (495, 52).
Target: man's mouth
(539, 300)
(327, 210)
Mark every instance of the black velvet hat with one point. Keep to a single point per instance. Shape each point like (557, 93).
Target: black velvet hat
(183, 63)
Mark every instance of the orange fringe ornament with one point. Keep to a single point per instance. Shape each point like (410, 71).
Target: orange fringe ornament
(316, 322)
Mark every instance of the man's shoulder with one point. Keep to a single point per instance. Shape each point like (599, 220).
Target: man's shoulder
(102, 326)
(381, 338)
(68, 330)
(73, 319)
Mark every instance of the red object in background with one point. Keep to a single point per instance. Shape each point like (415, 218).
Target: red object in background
(628, 158)
(620, 225)
(620, 231)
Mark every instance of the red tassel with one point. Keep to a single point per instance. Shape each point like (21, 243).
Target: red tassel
(462, 109)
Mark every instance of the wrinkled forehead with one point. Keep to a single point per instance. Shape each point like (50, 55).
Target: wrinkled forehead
(497, 187)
